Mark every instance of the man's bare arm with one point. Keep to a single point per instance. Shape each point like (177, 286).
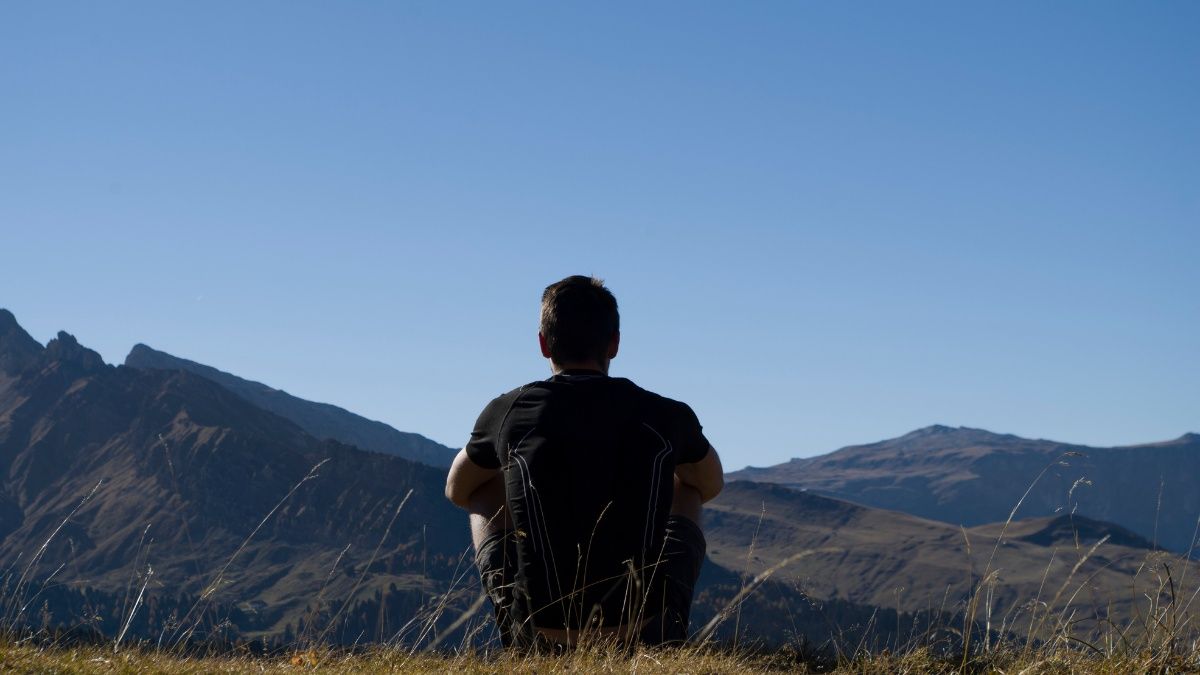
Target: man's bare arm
(465, 478)
(706, 476)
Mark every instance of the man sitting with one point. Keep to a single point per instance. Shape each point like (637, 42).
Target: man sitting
(584, 490)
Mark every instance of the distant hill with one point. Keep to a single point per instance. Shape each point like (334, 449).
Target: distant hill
(885, 558)
(1065, 530)
(971, 476)
(319, 419)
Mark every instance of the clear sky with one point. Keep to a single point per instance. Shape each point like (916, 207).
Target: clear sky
(826, 223)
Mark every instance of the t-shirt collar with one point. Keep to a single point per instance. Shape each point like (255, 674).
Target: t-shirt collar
(578, 373)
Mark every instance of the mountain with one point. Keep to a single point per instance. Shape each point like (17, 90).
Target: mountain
(114, 477)
(319, 419)
(971, 477)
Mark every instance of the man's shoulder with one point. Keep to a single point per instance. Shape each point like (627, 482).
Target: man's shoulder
(654, 398)
(511, 395)
(675, 422)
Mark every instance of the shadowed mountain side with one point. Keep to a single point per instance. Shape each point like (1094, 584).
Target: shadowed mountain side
(972, 477)
(889, 559)
(1065, 530)
(186, 471)
(319, 419)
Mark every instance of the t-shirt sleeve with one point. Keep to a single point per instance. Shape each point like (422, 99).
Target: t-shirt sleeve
(690, 443)
(482, 448)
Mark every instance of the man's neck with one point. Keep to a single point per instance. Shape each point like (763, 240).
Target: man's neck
(591, 366)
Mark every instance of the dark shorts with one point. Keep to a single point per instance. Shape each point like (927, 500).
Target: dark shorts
(683, 554)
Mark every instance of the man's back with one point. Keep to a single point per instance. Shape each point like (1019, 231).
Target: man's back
(588, 464)
(584, 491)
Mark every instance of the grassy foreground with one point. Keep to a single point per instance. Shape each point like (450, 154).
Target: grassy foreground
(31, 658)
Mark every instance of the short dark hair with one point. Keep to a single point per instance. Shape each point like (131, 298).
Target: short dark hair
(579, 318)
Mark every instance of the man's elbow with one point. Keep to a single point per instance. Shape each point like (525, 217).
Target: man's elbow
(712, 488)
(456, 495)
(711, 475)
(463, 478)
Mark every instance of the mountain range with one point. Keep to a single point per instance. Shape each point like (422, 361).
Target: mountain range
(969, 477)
(242, 511)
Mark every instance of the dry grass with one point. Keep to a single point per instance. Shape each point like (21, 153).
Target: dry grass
(28, 658)
(31, 658)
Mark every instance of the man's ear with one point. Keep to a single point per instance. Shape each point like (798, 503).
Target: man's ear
(613, 345)
(542, 344)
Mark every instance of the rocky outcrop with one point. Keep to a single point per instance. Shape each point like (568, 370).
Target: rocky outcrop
(18, 350)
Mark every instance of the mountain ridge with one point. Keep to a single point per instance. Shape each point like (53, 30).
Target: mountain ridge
(322, 420)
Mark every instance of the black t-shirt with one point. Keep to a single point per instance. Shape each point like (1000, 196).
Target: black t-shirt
(588, 462)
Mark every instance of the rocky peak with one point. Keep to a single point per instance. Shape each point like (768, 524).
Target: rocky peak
(18, 350)
(145, 356)
(933, 430)
(140, 351)
(67, 349)
(959, 433)
(941, 437)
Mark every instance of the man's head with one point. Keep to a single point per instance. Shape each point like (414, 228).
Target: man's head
(580, 325)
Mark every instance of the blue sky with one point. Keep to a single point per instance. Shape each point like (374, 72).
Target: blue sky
(826, 223)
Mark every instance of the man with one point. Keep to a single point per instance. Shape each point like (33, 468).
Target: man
(584, 490)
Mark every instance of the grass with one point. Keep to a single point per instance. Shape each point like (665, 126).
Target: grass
(33, 659)
(28, 657)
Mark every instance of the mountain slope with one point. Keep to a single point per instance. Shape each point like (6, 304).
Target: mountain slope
(972, 476)
(889, 559)
(319, 419)
(180, 473)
